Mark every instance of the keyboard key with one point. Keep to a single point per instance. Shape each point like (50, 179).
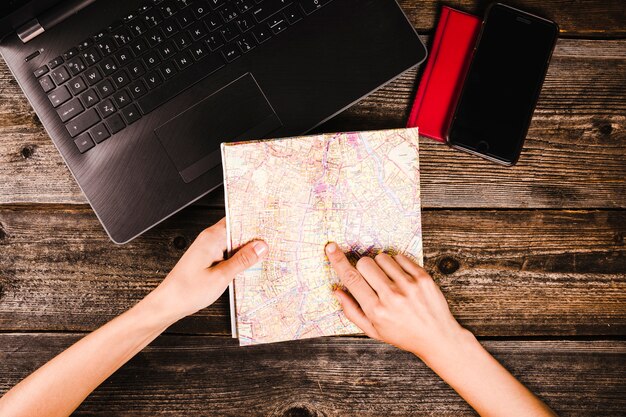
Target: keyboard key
(122, 36)
(168, 69)
(245, 23)
(231, 52)
(55, 62)
(292, 14)
(155, 37)
(108, 66)
(200, 10)
(183, 3)
(115, 123)
(246, 43)
(105, 108)
(77, 85)
(41, 71)
(70, 54)
(216, 3)
(199, 50)
(181, 40)
(168, 8)
(76, 65)
(170, 27)
(106, 46)
(59, 96)
(153, 80)
(166, 50)
(99, 133)
(89, 98)
(152, 18)
(214, 41)
(137, 89)
(151, 59)
(138, 46)
(60, 75)
(244, 5)
(229, 31)
(121, 98)
(105, 88)
(137, 27)
(121, 78)
(185, 18)
(198, 30)
(262, 33)
(268, 8)
(136, 69)
(213, 21)
(84, 142)
(130, 114)
(91, 56)
(82, 122)
(277, 23)
(123, 57)
(228, 13)
(70, 109)
(183, 60)
(92, 75)
(188, 78)
(46, 83)
(309, 6)
(85, 44)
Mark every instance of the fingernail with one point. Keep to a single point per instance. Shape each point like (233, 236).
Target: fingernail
(259, 248)
(331, 247)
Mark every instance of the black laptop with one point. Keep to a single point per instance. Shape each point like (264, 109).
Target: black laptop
(138, 95)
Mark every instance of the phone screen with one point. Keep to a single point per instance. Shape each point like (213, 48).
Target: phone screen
(503, 83)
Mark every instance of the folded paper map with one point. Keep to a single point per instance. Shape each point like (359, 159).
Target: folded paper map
(359, 189)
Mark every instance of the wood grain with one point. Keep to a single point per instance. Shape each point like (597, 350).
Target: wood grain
(580, 19)
(573, 158)
(498, 269)
(204, 376)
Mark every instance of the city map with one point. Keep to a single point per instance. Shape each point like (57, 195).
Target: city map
(358, 189)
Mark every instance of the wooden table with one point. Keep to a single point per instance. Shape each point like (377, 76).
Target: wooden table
(531, 258)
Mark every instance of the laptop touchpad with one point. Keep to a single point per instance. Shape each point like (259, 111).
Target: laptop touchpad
(236, 112)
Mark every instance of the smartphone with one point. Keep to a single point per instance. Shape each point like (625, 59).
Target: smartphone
(502, 85)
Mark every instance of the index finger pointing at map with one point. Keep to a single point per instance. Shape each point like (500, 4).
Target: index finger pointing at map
(350, 277)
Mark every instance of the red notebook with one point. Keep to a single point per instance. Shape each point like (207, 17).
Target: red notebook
(443, 76)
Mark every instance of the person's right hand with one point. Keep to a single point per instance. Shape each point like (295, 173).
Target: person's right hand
(394, 300)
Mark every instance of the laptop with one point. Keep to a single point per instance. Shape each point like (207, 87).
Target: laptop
(138, 95)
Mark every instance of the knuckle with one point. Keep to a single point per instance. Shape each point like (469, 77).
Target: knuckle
(350, 277)
(245, 258)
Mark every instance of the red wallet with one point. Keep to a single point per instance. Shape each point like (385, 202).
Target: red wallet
(445, 71)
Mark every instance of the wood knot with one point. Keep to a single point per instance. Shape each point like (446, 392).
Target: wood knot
(618, 238)
(606, 129)
(448, 265)
(179, 242)
(301, 411)
(27, 151)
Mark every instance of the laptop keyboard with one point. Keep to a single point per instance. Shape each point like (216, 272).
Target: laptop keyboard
(112, 79)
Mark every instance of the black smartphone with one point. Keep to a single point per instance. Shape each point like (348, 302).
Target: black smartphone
(502, 84)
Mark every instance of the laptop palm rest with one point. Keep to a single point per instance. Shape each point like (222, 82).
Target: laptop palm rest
(236, 112)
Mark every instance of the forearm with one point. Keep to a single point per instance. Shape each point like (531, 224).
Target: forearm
(482, 381)
(57, 388)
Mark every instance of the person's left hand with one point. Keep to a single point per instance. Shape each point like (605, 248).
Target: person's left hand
(201, 275)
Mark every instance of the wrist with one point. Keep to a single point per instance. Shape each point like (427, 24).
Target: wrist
(456, 346)
(161, 308)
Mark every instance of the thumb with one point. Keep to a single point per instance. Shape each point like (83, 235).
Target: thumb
(243, 259)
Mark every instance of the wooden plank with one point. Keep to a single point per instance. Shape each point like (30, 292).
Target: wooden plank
(183, 375)
(584, 19)
(505, 273)
(574, 155)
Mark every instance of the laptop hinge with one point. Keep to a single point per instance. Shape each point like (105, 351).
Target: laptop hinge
(30, 30)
